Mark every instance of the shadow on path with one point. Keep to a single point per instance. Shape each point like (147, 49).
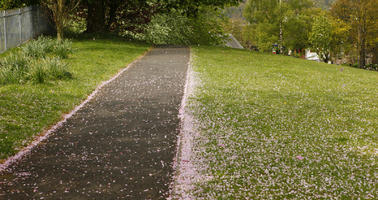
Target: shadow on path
(120, 145)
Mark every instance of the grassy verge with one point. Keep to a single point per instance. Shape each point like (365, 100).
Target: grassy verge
(276, 127)
(25, 110)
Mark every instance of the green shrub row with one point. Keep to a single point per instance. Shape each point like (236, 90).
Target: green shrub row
(37, 61)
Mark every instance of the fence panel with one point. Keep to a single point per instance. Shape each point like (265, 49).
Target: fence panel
(2, 31)
(20, 25)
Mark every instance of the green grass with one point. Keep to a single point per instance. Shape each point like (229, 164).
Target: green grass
(277, 127)
(27, 109)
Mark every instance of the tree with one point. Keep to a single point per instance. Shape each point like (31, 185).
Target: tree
(61, 10)
(109, 15)
(339, 38)
(282, 22)
(9, 4)
(96, 16)
(320, 38)
(361, 16)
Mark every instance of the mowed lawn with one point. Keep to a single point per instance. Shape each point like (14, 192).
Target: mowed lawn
(277, 127)
(28, 109)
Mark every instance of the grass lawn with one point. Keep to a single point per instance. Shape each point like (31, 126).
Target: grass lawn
(26, 110)
(277, 127)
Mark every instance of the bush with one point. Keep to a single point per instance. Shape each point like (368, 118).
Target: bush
(373, 67)
(178, 29)
(170, 28)
(207, 28)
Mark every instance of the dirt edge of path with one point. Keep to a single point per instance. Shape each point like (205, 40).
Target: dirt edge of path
(44, 134)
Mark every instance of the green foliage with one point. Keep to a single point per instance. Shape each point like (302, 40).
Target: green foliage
(360, 17)
(320, 37)
(286, 23)
(169, 29)
(178, 29)
(207, 28)
(296, 28)
(10, 4)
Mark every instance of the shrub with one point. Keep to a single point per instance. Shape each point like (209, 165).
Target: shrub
(13, 69)
(207, 28)
(170, 28)
(178, 29)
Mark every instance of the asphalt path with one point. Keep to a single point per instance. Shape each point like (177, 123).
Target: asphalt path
(120, 145)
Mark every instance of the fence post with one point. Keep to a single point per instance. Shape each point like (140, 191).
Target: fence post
(37, 31)
(5, 30)
(19, 24)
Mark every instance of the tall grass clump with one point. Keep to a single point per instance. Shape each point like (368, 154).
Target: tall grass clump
(38, 72)
(48, 69)
(56, 68)
(37, 61)
(62, 48)
(13, 69)
(38, 48)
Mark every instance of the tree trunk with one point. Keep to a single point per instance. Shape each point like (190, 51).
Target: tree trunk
(96, 17)
(375, 55)
(59, 20)
(112, 15)
(59, 32)
(362, 45)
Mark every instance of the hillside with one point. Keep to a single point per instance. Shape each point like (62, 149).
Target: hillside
(278, 127)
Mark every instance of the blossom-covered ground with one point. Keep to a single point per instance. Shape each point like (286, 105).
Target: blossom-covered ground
(277, 127)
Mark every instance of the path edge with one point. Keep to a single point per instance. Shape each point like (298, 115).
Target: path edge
(44, 134)
(185, 171)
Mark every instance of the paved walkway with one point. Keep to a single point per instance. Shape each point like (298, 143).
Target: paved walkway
(120, 145)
